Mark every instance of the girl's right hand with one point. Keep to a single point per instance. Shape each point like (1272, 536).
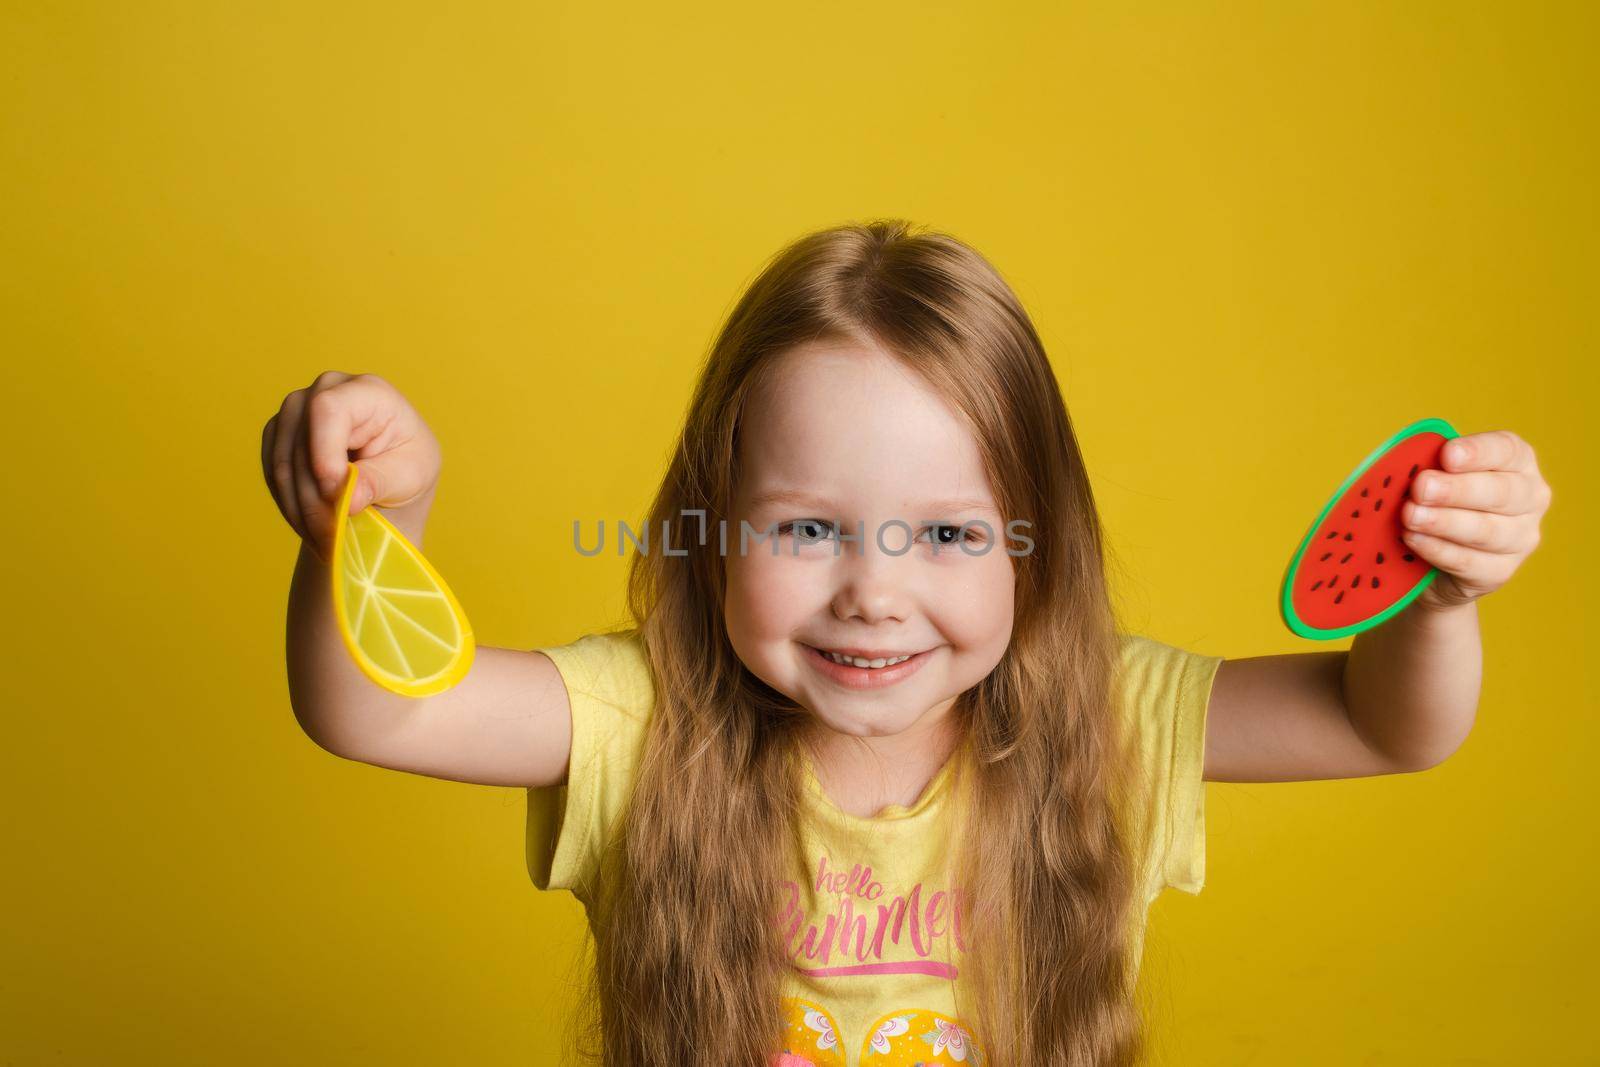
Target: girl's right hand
(307, 448)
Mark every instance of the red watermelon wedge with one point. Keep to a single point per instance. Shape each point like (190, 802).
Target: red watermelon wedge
(1352, 571)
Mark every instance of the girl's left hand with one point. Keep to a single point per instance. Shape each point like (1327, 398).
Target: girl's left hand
(1478, 519)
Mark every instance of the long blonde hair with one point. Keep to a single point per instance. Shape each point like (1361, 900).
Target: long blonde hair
(688, 963)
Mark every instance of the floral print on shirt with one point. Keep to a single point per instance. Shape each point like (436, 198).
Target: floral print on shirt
(897, 1039)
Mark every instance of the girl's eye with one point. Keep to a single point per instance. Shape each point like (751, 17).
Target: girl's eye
(809, 531)
(949, 533)
(816, 531)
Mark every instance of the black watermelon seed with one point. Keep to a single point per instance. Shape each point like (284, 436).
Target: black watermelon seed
(1315, 587)
(1334, 582)
(1339, 597)
(1346, 559)
(1357, 583)
(1363, 492)
(1356, 514)
(1325, 556)
(1332, 533)
(1374, 583)
(1386, 478)
(1413, 473)
(1380, 557)
(1408, 557)
(1349, 537)
(1378, 506)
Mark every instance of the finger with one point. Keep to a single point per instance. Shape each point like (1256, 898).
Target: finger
(269, 435)
(284, 435)
(1470, 567)
(343, 418)
(1505, 492)
(315, 511)
(266, 448)
(1482, 530)
(1492, 450)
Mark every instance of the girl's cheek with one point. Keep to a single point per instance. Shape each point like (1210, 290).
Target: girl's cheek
(975, 607)
(980, 587)
(766, 595)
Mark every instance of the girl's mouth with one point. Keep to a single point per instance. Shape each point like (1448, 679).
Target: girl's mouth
(853, 677)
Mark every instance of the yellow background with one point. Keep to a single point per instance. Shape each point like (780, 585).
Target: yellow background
(1257, 238)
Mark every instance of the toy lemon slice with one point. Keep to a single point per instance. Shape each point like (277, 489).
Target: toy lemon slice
(398, 618)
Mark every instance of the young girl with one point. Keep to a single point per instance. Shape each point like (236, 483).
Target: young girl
(874, 778)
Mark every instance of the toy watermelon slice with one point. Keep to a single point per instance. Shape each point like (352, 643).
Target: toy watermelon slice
(1352, 571)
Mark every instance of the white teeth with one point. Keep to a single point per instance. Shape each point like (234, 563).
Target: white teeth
(857, 661)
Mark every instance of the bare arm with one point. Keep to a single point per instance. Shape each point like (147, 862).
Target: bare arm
(507, 722)
(1412, 685)
(1402, 699)
(1405, 695)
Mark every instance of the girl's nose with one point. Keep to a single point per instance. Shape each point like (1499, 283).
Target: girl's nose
(872, 584)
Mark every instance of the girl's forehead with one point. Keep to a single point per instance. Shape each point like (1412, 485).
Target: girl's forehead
(829, 391)
(839, 419)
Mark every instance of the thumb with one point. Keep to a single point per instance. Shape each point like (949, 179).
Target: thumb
(369, 481)
(382, 480)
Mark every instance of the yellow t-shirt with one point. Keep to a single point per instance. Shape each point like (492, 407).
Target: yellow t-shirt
(873, 933)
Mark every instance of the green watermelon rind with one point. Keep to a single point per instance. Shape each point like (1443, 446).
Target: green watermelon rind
(1286, 598)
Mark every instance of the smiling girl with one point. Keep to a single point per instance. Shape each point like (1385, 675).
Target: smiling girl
(874, 777)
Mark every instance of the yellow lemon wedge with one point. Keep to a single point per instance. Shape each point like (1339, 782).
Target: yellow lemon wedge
(399, 620)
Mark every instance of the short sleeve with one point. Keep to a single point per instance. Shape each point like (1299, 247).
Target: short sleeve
(1166, 693)
(611, 693)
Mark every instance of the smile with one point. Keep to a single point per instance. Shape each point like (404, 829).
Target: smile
(857, 672)
(862, 659)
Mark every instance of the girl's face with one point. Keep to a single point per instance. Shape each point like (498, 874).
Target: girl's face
(844, 439)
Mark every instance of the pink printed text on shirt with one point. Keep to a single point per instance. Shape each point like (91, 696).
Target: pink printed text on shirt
(864, 927)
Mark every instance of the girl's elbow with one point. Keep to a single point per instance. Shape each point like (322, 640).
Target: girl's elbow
(1429, 758)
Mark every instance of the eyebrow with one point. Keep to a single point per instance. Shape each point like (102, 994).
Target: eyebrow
(802, 498)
